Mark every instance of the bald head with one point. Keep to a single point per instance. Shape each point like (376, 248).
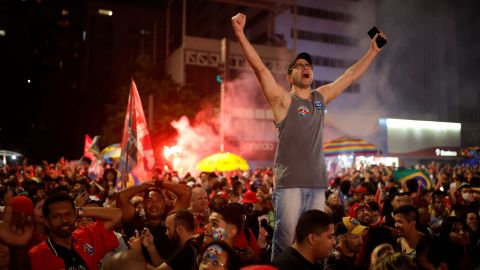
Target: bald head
(125, 260)
(199, 200)
(198, 191)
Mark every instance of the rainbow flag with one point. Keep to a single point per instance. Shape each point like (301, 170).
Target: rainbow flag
(349, 146)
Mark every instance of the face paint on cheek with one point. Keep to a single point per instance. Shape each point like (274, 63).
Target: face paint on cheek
(213, 252)
(219, 234)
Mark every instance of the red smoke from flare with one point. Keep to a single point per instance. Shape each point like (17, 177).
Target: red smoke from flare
(193, 142)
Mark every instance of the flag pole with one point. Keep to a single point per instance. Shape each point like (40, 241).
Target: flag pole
(130, 109)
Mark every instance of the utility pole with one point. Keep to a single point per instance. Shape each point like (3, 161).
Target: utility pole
(223, 69)
(151, 102)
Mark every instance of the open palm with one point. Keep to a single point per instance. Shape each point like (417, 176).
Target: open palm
(16, 228)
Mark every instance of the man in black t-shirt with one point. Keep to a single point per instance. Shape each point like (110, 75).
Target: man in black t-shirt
(180, 227)
(314, 242)
(155, 212)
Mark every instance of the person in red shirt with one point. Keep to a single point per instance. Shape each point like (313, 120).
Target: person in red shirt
(67, 248)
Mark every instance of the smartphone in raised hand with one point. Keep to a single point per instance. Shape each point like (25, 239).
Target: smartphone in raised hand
(380, 40)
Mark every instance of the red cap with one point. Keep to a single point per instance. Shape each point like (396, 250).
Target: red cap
(250, 197)
(223, 194)
(359, 190)
(354, 208)
(22, 204)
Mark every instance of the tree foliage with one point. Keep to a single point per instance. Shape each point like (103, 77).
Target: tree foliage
(171, 101)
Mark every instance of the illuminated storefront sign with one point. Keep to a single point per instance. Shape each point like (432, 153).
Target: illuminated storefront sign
(422, 138)
(445, 153)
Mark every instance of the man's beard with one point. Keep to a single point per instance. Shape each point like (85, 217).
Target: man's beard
(355, 249)
(174, 242)
(366, 221)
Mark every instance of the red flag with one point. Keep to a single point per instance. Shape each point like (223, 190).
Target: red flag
(86, 148)
(137, 156)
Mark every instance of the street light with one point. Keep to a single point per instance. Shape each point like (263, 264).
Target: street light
(4, 154)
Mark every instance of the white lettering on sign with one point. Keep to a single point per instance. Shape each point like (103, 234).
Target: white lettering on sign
(445, 153)
(211, 59)
(204, 59)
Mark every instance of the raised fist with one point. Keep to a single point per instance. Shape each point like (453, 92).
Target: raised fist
(238, 22)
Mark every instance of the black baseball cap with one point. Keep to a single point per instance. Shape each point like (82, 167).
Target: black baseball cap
(464, 185)
(302, 55)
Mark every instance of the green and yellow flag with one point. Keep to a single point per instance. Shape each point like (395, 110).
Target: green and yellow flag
(401, 176)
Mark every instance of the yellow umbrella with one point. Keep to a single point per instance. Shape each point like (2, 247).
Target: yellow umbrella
(222, 162)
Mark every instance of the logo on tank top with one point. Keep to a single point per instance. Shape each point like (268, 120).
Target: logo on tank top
(88, 249)
(318, 105)
(303, 111)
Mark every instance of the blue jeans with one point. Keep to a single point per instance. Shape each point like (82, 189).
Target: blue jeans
(289, 204)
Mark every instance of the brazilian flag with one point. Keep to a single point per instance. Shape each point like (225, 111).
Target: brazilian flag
(401, 176)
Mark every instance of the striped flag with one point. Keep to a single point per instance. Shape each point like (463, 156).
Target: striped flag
(86, 148)
(136, 156)
(95, 170)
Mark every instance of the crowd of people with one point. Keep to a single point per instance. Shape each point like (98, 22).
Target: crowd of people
(59, 218)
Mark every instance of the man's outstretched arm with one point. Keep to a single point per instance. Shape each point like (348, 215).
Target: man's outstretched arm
(111, 217)
(334, 89)
(276, 96)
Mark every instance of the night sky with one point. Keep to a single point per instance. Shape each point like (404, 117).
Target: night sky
(62, 62)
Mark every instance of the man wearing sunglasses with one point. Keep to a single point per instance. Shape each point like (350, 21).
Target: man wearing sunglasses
(300, 174)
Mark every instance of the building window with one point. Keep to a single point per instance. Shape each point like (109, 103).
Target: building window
(353, 89)
(331, 62)
(326, 38)
(324, 14)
